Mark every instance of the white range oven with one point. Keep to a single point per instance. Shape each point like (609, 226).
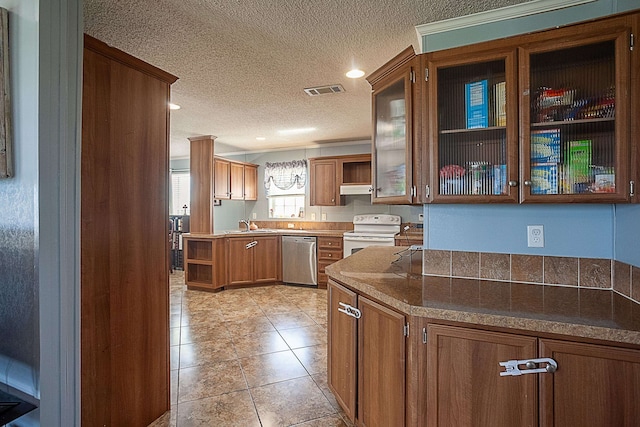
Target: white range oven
(371, 230)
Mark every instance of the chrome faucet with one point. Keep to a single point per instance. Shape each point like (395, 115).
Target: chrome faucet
(247, 223)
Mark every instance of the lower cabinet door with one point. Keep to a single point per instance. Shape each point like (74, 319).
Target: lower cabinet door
(464, 386)
(240, 257)
(381, 365)
(594, 385)
(267, 265)
(341, 347)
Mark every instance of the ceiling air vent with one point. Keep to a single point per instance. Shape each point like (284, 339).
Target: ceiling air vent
(324, 90)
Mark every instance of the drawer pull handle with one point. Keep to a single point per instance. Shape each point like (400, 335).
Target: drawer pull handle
(512, 369)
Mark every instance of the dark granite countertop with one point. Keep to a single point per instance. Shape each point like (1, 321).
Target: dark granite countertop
(393, 275)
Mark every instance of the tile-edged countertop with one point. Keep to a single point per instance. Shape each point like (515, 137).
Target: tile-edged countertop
(393, 275)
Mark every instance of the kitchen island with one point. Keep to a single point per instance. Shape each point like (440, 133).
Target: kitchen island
(412, 349)
(235, 258)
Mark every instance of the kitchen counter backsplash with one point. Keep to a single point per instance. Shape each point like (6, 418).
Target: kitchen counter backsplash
(551, 270)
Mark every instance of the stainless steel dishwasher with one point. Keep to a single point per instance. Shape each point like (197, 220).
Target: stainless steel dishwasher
(299, 260)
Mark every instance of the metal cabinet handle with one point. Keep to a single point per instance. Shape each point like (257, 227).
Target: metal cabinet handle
(329, 244)
(513, 183)
(349, 310)
(329, 255)
(528, 183)
(251, 244)
(511, 366)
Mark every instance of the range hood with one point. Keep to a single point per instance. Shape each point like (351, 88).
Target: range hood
(355, 189)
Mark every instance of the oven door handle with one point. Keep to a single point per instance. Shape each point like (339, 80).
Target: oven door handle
(369, 239)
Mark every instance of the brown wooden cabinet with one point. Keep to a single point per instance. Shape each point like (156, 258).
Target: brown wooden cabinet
(202, 178)
(323, 183)
(205, 262)
(366, 352)
(124, 266)
(330, 250)
(397, 130)
(250, 182)
(594, 385)
(235, 180)
(544, 117)
(254, 259)
(328, 174)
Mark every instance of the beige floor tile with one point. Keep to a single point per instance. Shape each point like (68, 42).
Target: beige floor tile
(210, 380)
(173, 395)
(175, 308)
(174, 336)
(241, 311)
(290, 320)
(262, 343)
(174, 320)
(305, 336)
(201, 332)
(201, 316)
(250, 325)
(174, 357)
(314, 358)
(227, 410)
(272, 367)
(321, 381)
(203, 353)
(279, 307)
(329, 421)
(168, 419)
(290, 402)
(198, 303)
(318, 316)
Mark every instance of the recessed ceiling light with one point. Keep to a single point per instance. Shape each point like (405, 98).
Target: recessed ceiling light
(355, 73)
(174, 106)
(260, 138)
(295, 131)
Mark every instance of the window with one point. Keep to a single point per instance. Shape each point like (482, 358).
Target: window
(180, 196)
(285, 183)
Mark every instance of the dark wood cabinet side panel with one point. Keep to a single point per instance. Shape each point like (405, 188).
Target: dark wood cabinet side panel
(201, 189)
(124, 246)
(95, 271)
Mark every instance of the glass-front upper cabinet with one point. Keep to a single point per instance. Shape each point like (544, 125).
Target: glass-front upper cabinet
(473, 122)
(575, 116)
(393, 131)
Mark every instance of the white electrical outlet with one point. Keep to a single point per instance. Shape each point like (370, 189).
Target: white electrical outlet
(313, 216)
(535, 236)
(420, 217)
(324, 216)
(254, 215)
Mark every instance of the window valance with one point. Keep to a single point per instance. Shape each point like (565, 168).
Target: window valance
(285, 175)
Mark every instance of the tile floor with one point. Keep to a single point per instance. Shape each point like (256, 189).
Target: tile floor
(249, 357)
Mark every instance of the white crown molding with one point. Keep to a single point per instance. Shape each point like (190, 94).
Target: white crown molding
(504, 13)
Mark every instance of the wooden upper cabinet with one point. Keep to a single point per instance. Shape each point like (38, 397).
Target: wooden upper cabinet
(575, 114)
(221, 180)
(250, 182)
(594, 385)
(474, 127)
(322, 177)
(236, 181)
(396, 129)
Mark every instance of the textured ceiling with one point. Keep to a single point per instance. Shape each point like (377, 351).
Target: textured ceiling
(242, 65)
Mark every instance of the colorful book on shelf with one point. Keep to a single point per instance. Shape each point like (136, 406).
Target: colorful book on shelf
(500, 100)
(477, 104)
(544, 178)
(578, 161)
(545, 146)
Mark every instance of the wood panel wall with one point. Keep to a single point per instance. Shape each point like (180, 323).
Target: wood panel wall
(124, 239)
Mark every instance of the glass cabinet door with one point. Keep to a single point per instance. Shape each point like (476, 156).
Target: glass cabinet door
(474, 129)
(392, 104)
(575, 117)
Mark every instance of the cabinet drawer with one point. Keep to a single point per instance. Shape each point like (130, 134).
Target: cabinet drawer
(330, 254)
(322, 264)
(330, 243)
